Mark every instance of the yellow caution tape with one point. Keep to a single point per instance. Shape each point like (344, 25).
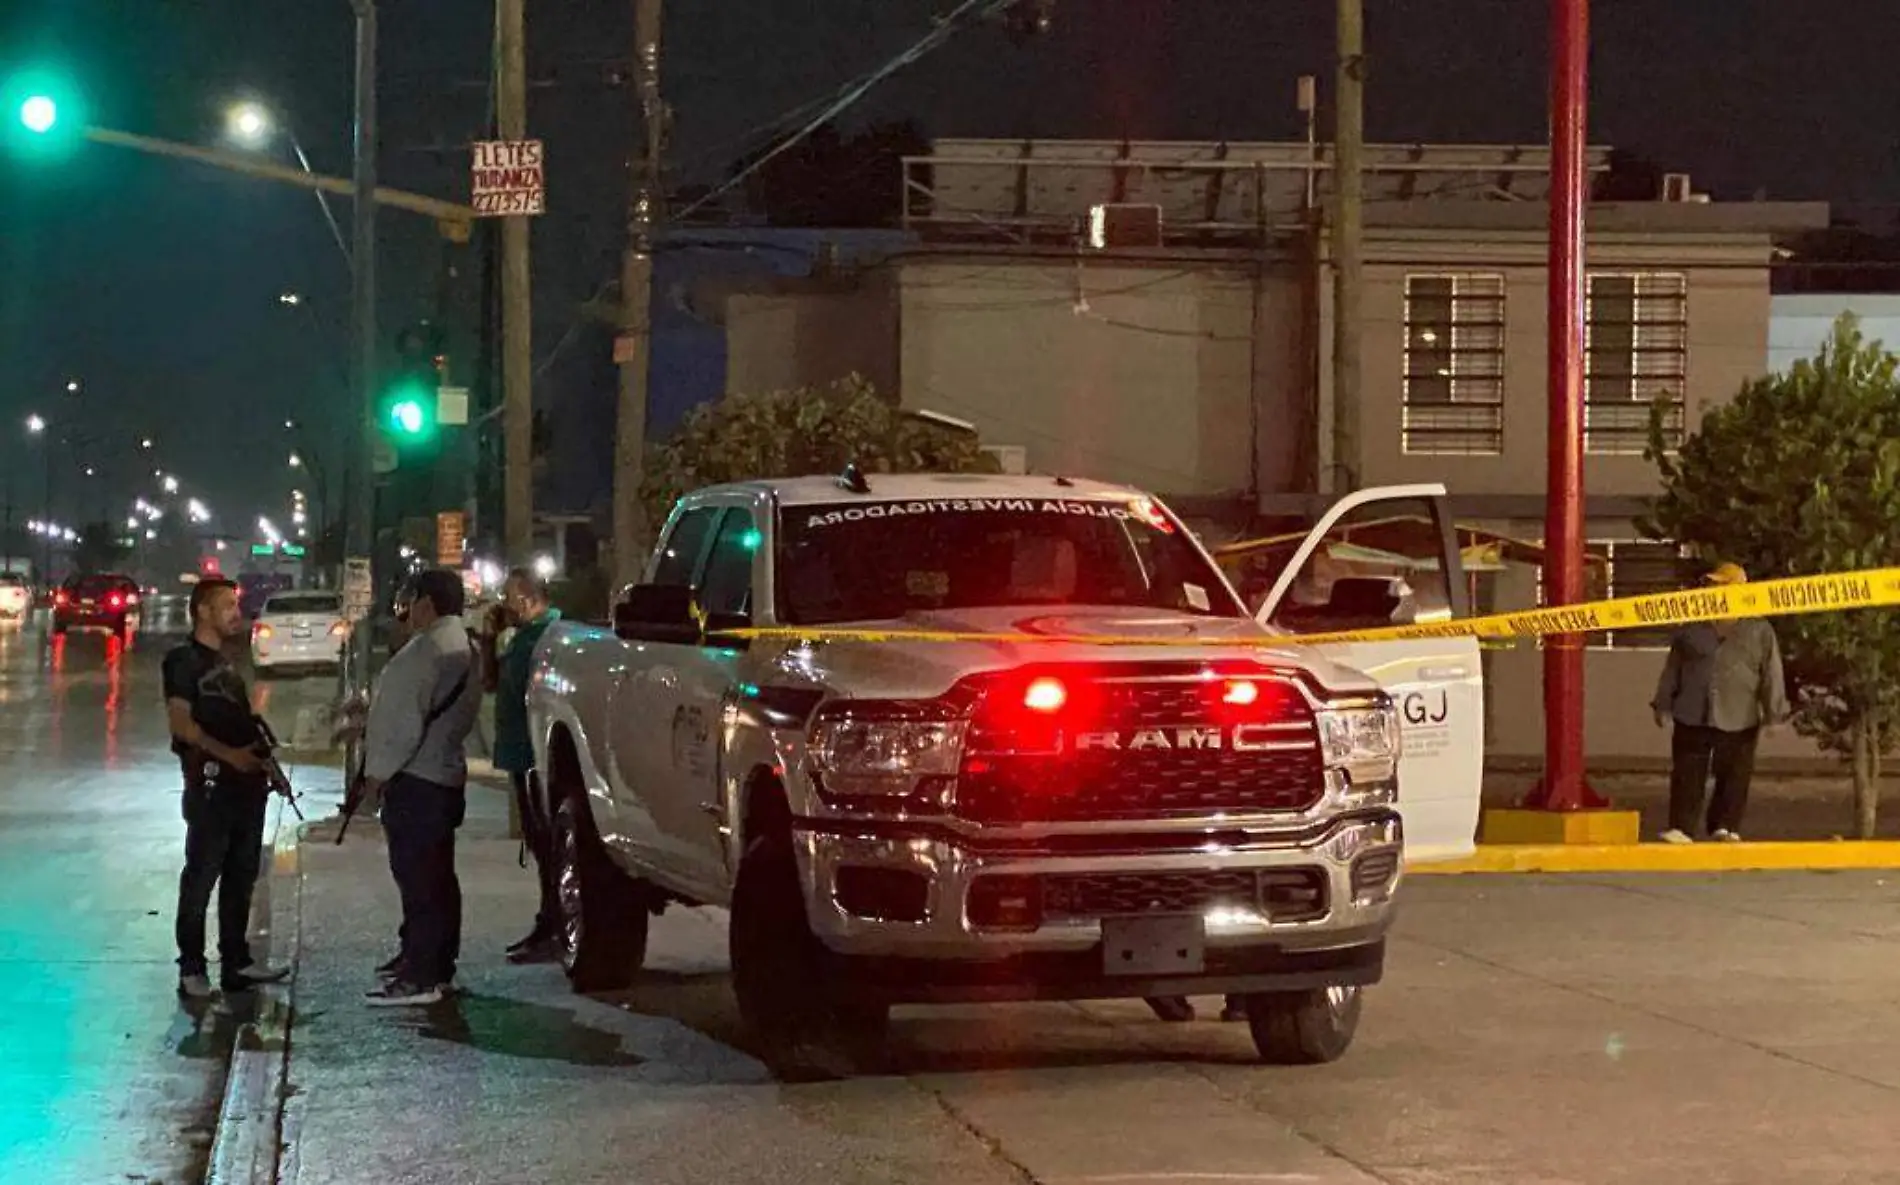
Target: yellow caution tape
(1767, 598)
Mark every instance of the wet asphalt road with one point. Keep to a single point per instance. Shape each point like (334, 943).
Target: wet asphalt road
(104, 1075)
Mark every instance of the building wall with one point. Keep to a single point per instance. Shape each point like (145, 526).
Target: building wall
(1728, 323)
(1799, 324)
(1144, 373)
(783, 340)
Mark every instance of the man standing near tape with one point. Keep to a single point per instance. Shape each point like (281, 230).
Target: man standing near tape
(514, 629)
(1721, 684)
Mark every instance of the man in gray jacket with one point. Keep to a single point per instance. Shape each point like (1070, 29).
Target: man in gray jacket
(414, 759)
(1722, 682)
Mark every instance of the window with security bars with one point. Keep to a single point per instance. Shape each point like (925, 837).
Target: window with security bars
(1636, 355)
(1632, 568)
(1454, 365)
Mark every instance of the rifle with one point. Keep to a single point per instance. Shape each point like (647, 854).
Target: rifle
(356, 784)
(276, 779)
(275, 776)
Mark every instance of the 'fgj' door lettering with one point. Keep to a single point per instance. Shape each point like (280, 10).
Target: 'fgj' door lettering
(1425, 707)
(1425, 714)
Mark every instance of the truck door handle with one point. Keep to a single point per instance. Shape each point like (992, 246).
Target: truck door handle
(1443, 672)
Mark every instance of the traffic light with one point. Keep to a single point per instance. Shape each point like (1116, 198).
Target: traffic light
(409, 411)
(42, 113)
(39, 113)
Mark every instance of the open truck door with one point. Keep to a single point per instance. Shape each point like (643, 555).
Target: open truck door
(1389, 556)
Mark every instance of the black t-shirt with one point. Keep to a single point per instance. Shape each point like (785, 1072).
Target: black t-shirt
(220, 703)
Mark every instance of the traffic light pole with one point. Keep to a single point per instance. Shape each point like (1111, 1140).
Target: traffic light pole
(360, 499)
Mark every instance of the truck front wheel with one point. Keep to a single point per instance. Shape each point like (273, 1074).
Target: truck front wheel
(604, 917)
(781, 976)
(1304, 1028)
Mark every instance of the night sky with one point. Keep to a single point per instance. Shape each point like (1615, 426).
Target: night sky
(157, 282)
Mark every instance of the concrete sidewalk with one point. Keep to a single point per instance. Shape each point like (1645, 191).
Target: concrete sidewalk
(1731, 1028)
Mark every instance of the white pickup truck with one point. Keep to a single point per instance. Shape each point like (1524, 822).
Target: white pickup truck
(918, 821)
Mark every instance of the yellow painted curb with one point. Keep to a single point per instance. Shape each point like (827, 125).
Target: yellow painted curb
(1662, 857)
(1606, 828)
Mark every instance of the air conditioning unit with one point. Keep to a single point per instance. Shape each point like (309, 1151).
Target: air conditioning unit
(1013, 458)
(1124, 224)
(1676, 188)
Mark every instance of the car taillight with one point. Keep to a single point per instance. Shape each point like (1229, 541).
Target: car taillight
(62, 597)
(260, 631)
(131, 598)
(114, 600)
(340, 629)
(1045, 695)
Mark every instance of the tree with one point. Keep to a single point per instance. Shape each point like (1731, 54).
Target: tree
(795, 433)
(1799, 476)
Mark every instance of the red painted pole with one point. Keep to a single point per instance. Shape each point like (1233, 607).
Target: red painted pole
(1563, 787)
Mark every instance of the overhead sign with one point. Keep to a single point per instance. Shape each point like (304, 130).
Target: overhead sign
(358, 591)
(450, 526)
(507, 177)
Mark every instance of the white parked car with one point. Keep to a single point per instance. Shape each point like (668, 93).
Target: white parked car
(299, 629)
(16, 597)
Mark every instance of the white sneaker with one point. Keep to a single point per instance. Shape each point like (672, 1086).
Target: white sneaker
(1727, 836)
(397, 994)
(194, 987)
(1675, 835)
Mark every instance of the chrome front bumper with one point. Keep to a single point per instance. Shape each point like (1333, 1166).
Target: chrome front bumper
(950, 866)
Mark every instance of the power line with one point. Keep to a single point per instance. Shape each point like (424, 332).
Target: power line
(946, 29)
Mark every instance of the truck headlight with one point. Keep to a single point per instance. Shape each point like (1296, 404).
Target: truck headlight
(865, 755)
(1361, 742)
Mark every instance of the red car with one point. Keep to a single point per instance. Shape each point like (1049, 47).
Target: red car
(99, 601)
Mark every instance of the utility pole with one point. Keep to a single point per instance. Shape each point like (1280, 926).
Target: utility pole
(633, 346)
(1349, 132)
(360, 499)
(1563, 787)
(517, 339)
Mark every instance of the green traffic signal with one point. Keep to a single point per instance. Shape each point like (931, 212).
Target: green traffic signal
(43, 114)
(38, 113)
(406, 417)
(409, 412)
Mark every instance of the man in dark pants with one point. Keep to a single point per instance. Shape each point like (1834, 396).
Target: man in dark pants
(215, 735)
(1721, 683)
(515, 629)
(415, 762)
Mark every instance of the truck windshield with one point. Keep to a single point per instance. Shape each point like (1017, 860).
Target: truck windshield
(870, 561)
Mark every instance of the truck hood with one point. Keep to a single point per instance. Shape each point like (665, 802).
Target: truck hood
(912, 669)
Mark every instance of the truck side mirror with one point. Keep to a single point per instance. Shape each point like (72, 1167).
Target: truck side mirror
(657, 613)
(716, 623)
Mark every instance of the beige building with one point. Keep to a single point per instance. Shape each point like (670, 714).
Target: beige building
(1161, 314)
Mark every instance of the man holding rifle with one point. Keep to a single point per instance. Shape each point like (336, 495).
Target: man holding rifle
(415, 763)
(221, 750)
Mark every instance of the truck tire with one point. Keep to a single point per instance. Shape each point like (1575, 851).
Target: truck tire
(782, 977)
(604, 917)
(1304, 1028)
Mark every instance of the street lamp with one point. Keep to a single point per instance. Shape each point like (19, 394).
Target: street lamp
(73, 387)
(146, 444)
(296, 462)
(249, 124)
(35, 424)
(171, 485)
(293, 299)
(252, 125)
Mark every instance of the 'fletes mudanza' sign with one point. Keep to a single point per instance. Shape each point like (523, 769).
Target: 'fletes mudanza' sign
(508, 178)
